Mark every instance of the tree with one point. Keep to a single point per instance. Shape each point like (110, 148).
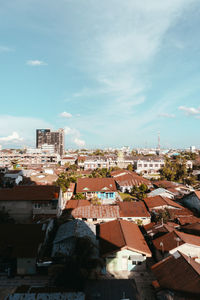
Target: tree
(62, 182)
(130, 167)
(95, 201)
(79, 196)
(139, 192)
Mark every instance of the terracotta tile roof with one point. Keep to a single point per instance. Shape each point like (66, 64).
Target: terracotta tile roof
(72, 204)
(95, 185)
(128, 178)
(167, 184)
(121, 234)
(179, 273)
(173, 239)
(30, 193)
(97, 212)
(154, 202)
(159, 227)
(133, 209)
(187, 219)
(168, 241)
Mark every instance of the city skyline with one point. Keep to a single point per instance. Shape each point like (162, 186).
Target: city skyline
(109, 73)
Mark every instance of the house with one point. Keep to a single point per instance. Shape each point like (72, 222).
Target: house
(102, 188)
(96, 213)
(178, 275)
(131, 211)
(192, 201)
(177, 241)
(161, 192)
(175, 188)
(148, 166)
(24, 203)
(157, 203)
(134, 211)
(154, 230)
(72, 204)
(123, 246)
(65, 239)
(126, 180)
(19, 247)
(192, 228)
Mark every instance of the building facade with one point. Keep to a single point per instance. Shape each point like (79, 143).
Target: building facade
(48, 137)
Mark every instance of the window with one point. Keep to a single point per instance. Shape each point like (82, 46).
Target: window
(145, 165)
(37, 205)
(151, 165)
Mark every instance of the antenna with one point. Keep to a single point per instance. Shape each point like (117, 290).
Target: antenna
(158, 140)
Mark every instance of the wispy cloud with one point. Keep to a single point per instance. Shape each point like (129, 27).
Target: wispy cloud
(5, 49)
(74, 135)
(36, 63)
(190, 111)
(66, 115)
(166, 115)
(14, 138)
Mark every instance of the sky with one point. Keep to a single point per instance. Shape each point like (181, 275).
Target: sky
(111, 72)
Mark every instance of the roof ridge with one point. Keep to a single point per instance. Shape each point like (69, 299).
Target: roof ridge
(125, 242)
(186, 258)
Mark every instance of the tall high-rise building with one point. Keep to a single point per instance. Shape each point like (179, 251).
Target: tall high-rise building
(48, 137)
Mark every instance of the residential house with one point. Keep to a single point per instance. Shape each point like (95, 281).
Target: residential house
(65, 239)
(134, 211)
(174, 188)
(154, 230)
(123, 246)
(161, 192)
(126, 180)
(148, 166)
(96, 213)
(72, 204)
(192, 228)
(19, 248)
(177, 241)
(24, 203)
(102, 188)
(178, 277)
(158, 203)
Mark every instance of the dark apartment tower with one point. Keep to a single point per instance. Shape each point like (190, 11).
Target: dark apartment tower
(56, 138)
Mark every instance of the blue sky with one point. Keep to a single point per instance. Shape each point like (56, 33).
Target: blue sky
(110, 72)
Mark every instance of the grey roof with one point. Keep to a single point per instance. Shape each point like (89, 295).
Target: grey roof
(46, 296)
(158, 192)
(75, 228)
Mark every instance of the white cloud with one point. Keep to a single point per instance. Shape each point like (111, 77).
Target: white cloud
(5, 49)
(190, 111)
(166, 115)
(24, 126)
(65, 114)
(74, 136)
(14, 137)
(36, 63)
(79, 142)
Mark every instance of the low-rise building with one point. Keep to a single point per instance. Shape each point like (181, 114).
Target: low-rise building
(24, 203)
(102, 188)
(123, 246)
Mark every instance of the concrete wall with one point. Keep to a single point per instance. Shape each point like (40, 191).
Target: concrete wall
(122, 261)
(21, 211)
